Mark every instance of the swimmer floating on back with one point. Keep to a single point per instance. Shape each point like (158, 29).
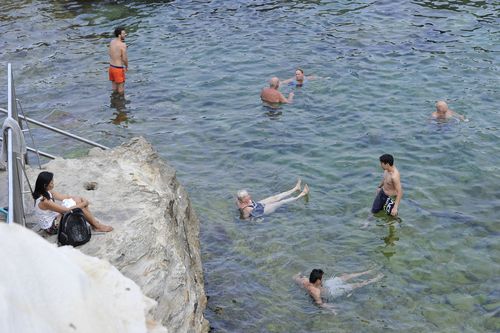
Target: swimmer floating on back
(249, 208)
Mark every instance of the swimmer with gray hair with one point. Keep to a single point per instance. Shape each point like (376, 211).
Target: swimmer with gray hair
(249, 208)
(443, 112)
(272, 95)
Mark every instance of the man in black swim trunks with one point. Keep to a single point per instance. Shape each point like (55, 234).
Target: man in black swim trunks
(389, 188)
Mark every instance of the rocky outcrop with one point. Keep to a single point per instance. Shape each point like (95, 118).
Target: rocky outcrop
(155, 241)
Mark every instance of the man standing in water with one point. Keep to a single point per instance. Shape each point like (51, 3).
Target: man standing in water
(389, 188)
(118, 63)
(272, 96)
(443, 112)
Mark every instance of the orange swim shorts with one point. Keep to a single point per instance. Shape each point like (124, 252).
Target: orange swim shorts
(116, 74)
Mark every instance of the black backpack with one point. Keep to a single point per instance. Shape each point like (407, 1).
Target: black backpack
(73, 229)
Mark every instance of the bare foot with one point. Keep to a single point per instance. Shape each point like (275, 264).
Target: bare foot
(298, 185)
(305, 191)
(102, 227)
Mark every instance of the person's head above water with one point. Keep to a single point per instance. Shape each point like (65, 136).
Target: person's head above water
(242, 195)
(316, 274)
(274, 82)
(299, 74)
(441, 107)
(120, 32)
(387, 159)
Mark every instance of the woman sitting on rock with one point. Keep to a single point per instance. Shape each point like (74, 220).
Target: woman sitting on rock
(48, 211)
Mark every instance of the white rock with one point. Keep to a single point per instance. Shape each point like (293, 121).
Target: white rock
(45, 289)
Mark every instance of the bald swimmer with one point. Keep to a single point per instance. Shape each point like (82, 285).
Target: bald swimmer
(272, 95)
(443, 112)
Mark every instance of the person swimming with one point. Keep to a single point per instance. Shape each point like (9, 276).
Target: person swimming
(271, 95)
(334, 287)
(444, 113)
(250, 208)
(299, 79)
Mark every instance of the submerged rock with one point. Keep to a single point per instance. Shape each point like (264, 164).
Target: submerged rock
(155, 241)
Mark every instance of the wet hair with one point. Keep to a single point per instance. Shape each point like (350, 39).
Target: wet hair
(301, 70)
(316, 274)
(387, 159)
(43, 180)
(241, 194)
(118, 31)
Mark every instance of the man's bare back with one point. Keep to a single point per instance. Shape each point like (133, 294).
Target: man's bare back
(118, 53)
(272, 95)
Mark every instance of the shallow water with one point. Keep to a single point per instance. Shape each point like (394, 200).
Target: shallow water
(196, 69)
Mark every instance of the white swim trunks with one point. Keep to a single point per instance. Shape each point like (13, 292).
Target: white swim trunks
(336, 287)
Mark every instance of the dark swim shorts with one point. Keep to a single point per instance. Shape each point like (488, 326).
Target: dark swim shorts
(382, 201)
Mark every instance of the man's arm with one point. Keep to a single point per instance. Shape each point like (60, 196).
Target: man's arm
(317, 299)
(399, 194)
(380, 185)
(298, 278)
(459, 116)
(284, 100)
(124, 56)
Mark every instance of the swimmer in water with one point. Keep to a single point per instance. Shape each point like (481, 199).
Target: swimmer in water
(249, 208)
(335, 286)
(444, 113)
(272, 96)
(300, 79)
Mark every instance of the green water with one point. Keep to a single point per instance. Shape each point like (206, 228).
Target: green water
(196, 70)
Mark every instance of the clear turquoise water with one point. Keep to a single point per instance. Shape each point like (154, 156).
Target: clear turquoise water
(196, 70)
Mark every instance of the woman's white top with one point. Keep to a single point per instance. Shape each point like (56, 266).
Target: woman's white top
(45, 217)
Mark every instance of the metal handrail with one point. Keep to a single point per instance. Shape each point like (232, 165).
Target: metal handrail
(15, 163)
(60, 131)
(10, 165)
(16, 185)
(33, 150)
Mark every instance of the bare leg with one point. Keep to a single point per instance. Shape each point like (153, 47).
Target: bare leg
(347, 277)
(98, 226)
(283, 195)
(120, 88)
(114, 86)
(271, 207)
(364, 283)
